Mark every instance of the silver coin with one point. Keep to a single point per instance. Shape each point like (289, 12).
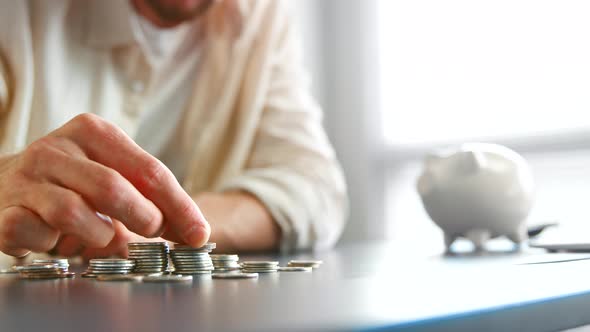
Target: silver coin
(151, 265)
(194, 268)
(305, 263)
(295, 269)
(188, 267)
(110, 260)
(190, 256)
(148, 257)
(88, 275)
(49, 274)
(37, 267)
(227, 267)
(168, 278)
(225, 270)
(97, 268)
(189, 262)
(260, 263)
(59, 261)
(119, 277)
(112, 265)
(133, 255)
(191, 272)
(110, 271)
(151, 259)
(146, 244)
(46, 277)
(224, 257)
(234, 275)
(149, 270)
(208, 246)
(258, 271)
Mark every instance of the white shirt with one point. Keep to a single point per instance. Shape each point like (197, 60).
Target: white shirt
(227, 109)
(171, 86)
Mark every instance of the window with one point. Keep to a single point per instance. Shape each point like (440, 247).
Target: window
(462, 70)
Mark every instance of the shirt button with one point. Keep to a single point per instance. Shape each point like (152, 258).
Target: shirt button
(137, 86)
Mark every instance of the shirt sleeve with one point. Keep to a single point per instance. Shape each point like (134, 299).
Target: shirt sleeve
(292, 168)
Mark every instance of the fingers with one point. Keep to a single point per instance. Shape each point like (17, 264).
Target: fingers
(69, 246)
(111, 147)
(21, 231)
(67, 212)
(118, 246)
(107, 191)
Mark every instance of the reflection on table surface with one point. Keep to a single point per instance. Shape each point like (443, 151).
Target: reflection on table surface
(358, 286)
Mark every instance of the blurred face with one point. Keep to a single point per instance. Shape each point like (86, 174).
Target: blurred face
(171, 12)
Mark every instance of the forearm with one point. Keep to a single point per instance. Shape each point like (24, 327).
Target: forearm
(239, 222)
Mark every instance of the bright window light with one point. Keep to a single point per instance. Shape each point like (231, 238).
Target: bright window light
(465, 69)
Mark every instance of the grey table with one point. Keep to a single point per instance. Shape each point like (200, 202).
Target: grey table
(360, 287)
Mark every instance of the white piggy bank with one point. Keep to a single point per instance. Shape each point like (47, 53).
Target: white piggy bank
(479, 191)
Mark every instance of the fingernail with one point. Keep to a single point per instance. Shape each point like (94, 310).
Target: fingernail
(104, 217)
(198, 235)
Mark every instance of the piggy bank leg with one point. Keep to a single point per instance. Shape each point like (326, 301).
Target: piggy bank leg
(518, 237)
(478, 237)
(449, 239)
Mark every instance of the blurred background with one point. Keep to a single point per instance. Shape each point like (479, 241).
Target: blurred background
(398, 79)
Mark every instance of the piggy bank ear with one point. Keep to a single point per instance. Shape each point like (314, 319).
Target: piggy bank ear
(472, 162)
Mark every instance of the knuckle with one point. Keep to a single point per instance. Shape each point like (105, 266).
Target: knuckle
(65, 215)
(155, 175)
(87, 121)
(39, 153)
(95, 126)
(111, 187)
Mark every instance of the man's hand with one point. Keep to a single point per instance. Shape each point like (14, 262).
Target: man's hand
(56, 186)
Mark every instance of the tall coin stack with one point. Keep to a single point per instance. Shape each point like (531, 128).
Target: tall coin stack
(102, 266)
(225, 263)
(188, 260)
(260, 267)
(149, 257)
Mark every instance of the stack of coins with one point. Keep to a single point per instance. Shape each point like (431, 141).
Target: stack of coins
(43, 271)
(260, 267)
(225, 263)
(305, 263)
(61, 262)
(188, 260)
(102, 266)
(149, 257)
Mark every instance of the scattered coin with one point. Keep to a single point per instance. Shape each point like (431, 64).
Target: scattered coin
(167, 278)
(234, 275)
(260, 266)
(305, 263)
(295, 269)
(119, 277)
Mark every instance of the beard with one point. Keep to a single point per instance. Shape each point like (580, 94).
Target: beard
(179, 11)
